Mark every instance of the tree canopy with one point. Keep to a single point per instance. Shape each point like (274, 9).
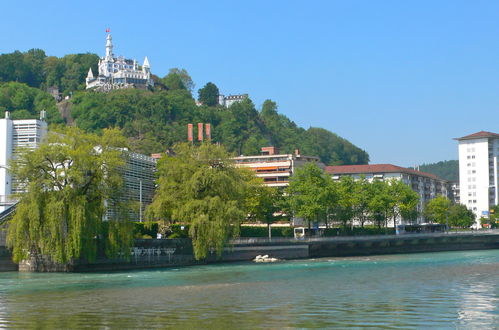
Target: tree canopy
(201, 187)
(208, 95)
(68, 179)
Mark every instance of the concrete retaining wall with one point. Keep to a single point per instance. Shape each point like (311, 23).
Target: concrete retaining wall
(178, 252)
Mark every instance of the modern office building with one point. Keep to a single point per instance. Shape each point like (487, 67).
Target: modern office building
(139, 182)
(118, 72)
(16, 134)
(478, 172)
(276, 168)
(427, 185)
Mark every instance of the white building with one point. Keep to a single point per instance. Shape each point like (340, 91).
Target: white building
(428, 186)
(227, 101)
(478, 172)
(118, 72)
(275, 168)
(15, 134)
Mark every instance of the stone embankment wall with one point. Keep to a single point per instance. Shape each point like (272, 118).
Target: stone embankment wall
(178, 252)
(6, 264)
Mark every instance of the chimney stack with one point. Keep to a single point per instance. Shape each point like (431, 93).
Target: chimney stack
(200, 131)
(189, 133)
(207, 128)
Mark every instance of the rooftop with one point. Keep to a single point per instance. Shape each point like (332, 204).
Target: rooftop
(479, 135)
(376, 168)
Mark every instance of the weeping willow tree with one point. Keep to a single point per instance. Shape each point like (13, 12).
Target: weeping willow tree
(69, 180)
(200, 186)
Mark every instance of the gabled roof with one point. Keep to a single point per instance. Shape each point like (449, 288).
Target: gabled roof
(376, 168)
(479, 135)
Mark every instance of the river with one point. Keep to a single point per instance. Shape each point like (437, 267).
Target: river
(444, 290)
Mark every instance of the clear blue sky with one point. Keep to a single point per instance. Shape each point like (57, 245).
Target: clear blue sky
(399, 79)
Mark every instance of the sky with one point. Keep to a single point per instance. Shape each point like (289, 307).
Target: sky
(399, 79)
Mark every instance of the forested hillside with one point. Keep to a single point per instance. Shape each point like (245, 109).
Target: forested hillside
(447, 170)
(155, 120)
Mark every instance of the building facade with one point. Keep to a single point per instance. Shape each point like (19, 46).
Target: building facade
(428, 186)
(16, 134)
(118, 72)
(274, 168)
(229, 100)
(139, 182)
(478, 172)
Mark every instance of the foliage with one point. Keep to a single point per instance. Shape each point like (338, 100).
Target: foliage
(310, 192)
(447, 169)
(264, 203)
(35, 69)
(201, 187)
(437, 210)
(26, 102)
(208, 95)
(68, 179)
(178, 79)
(155, 121)
(460, 216)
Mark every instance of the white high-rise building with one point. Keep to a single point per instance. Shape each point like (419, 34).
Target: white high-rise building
(118, 72)
(478, 172)
(15, 134)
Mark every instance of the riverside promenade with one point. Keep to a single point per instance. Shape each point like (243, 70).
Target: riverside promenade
(154, 253)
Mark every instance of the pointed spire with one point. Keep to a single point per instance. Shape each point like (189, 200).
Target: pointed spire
(90, 74)
(146, 63)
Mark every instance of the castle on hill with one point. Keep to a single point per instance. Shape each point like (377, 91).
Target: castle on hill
(118, 72)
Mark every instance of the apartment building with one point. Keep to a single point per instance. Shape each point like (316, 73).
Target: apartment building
(478, 172)
(427, 185)
(276, 168)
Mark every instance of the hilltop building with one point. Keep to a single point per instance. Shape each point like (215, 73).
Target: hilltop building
(427, 185)
(15, 134)
(118, 72)
(478, 172)
(276, 168)
(227, 101)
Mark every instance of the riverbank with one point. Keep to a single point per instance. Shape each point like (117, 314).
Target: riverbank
(153, 253)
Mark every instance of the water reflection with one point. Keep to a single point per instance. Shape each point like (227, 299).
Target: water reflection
(443, 290)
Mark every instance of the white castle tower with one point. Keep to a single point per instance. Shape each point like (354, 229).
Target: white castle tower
(118, 72)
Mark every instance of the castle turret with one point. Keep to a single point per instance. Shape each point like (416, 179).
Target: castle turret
(146, 67)
(109, 47)
(90, 76)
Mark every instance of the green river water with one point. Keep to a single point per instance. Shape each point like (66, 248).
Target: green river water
(433, 290)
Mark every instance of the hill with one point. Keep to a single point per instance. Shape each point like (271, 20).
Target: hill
(447, 169)
(154, 120)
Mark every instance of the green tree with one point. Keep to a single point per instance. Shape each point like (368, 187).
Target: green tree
(201, 187)
(380, 202)
(437, 209)
(344, 210)
(208, 95)
(310, 193)
(68, 179)
(460, 216)
(264, 204)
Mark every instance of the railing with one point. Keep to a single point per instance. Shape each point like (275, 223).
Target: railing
(261, 240)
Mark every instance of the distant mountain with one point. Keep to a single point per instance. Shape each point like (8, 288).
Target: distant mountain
(447, 169)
